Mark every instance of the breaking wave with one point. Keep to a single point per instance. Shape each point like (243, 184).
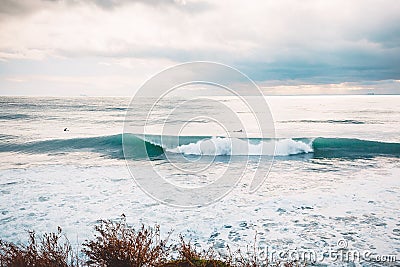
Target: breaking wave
(155, 145)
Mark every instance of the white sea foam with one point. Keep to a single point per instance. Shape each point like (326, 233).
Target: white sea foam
(231, 146)
(46, 182)
(285, 147)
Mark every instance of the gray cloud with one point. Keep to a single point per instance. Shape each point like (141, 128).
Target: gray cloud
(23, 7)
(18, 7)
(109, 4)
(311, 41)
(190, 6)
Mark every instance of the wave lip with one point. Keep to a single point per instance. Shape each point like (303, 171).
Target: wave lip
(150, 146)
(218, 146)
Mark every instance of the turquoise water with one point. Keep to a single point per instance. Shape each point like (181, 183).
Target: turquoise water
(111, 146)
(336, 172)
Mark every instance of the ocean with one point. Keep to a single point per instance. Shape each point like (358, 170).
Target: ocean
(334, 178)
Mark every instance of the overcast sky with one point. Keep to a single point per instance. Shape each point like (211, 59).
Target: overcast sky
(110, 47)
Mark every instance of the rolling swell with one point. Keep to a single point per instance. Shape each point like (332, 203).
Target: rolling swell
(350, 148)
(109, 146)
(137, 148)
(14, 116)
(318, 147)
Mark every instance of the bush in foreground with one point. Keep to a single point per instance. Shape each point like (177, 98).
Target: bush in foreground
(116, 244)
(51, 249)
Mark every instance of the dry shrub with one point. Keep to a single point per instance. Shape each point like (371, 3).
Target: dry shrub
(51, 249)
(117, 244)
(189, 256)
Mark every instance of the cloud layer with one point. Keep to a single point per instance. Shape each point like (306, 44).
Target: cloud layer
(309, 41)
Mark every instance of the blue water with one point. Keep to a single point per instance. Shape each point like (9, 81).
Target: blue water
(336, 174)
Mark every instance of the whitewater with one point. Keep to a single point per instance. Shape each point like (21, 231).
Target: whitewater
(335, 173)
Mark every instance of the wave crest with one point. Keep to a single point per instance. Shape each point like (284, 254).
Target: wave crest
(152, 146)
(219, 146)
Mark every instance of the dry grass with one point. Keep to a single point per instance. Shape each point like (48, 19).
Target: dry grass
(116, 244)
(51, 249)
(189, 256)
